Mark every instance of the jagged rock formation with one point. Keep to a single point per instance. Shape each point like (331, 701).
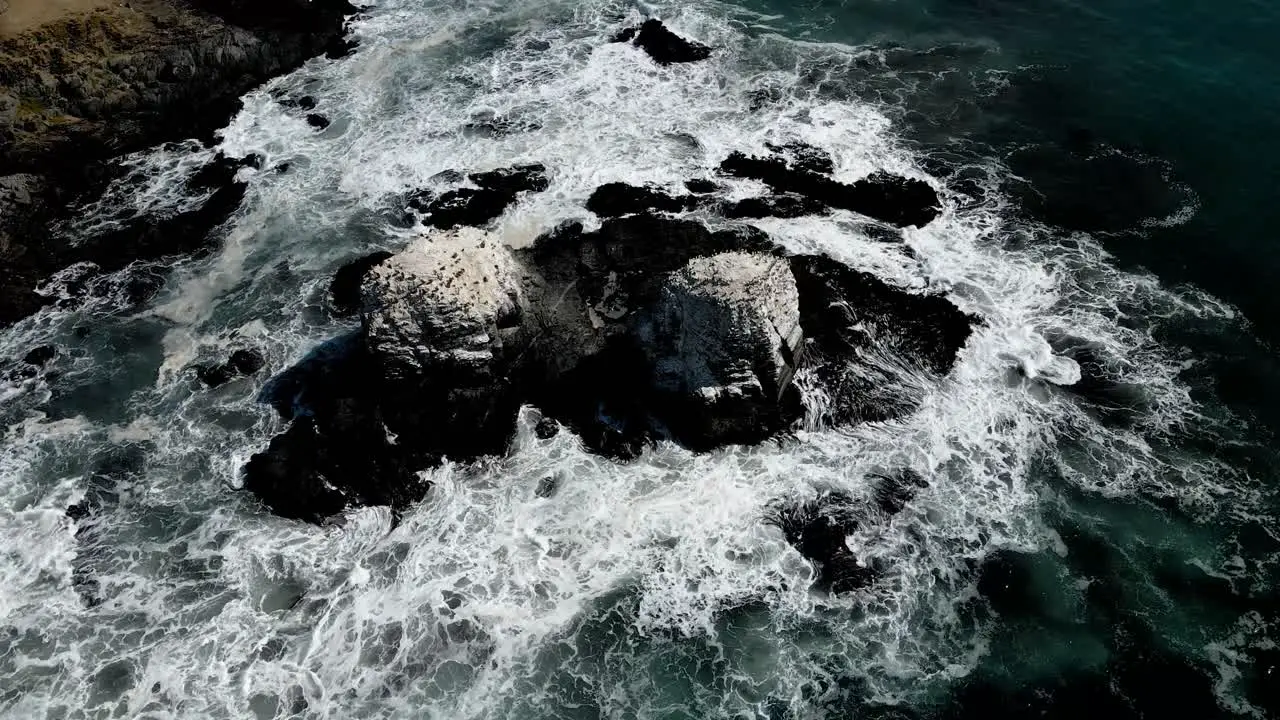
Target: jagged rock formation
(722, 339)
(650, 327)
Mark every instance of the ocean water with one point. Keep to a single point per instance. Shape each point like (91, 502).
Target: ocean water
(1103, 546)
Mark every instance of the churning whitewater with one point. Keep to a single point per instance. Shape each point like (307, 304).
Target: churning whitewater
(649, 589)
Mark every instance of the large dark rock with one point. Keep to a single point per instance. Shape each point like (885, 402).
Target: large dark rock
(285, 15)
(649, 328)
(896, 336)
(721, 338)
(336, 452)
(664, 46)
(889, 198)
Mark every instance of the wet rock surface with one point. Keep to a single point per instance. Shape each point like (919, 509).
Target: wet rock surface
(664, 46)
(496, 191)
(617, 199)
(901, 339)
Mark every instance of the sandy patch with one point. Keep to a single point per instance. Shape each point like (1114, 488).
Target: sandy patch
(23, 15)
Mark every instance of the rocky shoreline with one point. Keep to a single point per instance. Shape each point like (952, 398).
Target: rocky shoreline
(85, 88)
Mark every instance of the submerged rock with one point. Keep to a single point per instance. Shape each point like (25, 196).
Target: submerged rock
(27, 260)
(664, 46)
(474, 207)
(894, 491)
(889, 198)
(819, 529)
(241, 363)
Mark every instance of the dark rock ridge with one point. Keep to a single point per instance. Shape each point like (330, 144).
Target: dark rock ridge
(799, 175)
(617, 199)
(30, 251)
(649, 328)
(785, 205)
(664, 46)
(497, 190)
(129, 76)
(888, 198)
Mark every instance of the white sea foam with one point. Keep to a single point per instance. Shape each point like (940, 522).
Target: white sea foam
(625, 592)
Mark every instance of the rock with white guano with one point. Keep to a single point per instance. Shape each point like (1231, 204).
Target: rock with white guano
(447, 303)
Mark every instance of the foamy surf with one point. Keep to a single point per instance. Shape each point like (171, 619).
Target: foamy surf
(648, 589)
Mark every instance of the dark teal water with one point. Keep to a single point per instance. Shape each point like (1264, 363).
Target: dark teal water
(1188, 91)
(1154, 126)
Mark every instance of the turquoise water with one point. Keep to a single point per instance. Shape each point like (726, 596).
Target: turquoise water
(1108, 547)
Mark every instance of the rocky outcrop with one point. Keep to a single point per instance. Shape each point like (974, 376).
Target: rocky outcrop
(133, 75)
(900, 340)
(650, 327)
(467, 206)
(447, 302)
(617, 199)
(82, 89)
(888, 198)
(664, 46)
